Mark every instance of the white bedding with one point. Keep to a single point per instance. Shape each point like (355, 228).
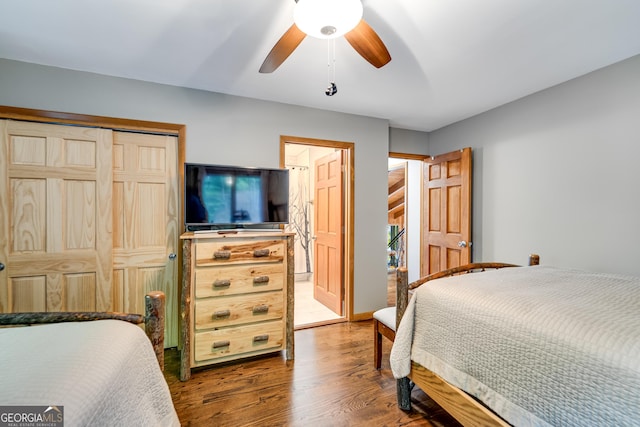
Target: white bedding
(104, 373)
(539, 345)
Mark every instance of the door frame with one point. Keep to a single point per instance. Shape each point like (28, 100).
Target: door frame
(409, 230)
(348, 235)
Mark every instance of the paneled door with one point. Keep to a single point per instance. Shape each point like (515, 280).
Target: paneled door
(89, 220)
(145, 223)
(55, 218)
(446, 199)
(328, 227)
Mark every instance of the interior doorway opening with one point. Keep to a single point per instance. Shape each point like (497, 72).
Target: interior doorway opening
(322, 274)
(404, 218)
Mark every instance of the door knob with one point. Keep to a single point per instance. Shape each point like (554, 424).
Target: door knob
(1, 266)
(462, 244)
(172, 256)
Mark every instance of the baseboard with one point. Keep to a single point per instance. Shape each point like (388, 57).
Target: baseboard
(357, 317)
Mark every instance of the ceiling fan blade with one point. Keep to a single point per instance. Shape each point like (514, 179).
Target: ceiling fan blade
(367, 43)
(282, 49)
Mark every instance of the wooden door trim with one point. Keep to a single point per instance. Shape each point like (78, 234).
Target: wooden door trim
(349, 162)
(407, 156)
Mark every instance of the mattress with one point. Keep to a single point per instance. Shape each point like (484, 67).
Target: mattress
(103, 373)
(538, 345)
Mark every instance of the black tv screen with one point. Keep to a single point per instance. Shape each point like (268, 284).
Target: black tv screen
(221, 196)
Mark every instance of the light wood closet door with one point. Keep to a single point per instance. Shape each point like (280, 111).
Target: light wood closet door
(55, 218)
(145, 223)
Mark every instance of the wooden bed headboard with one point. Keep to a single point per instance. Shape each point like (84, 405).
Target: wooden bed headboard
(403, 286)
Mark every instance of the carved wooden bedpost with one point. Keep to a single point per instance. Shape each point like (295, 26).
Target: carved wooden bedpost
(403, 386)
(154, 323)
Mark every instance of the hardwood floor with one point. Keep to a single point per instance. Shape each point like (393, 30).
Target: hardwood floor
(331, 382)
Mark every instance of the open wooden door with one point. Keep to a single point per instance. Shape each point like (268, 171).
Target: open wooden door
(446, 211)
(329, 223)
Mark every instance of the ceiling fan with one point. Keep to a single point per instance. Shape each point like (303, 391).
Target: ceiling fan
(328, 19)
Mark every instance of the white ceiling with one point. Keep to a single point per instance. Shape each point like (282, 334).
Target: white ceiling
(451, 59)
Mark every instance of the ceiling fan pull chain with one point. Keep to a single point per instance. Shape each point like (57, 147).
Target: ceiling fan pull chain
(334, 60)
(332, 89)
(329, 60)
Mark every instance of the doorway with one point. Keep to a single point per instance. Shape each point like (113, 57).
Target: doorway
(320, 181)
(403, 223)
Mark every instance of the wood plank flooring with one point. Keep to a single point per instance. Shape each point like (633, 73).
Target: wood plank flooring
(331, 382)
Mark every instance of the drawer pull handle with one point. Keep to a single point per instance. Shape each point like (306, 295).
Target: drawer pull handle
(220, 344)
(222, 255)
(222, 314)
(261, 309)
(261, 280)
(259, 253)
(221, 283)
(261, 338)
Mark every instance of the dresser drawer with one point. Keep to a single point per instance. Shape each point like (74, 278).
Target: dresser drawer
(238, 340)
(240, 309)
(246, 251)
(238, 279)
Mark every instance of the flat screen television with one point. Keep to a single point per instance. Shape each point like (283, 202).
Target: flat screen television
(218, 197)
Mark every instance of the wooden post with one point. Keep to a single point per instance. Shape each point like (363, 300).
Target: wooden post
(402, 293)
(403, 386)
(534, 259)
(289, 329)
(185, 312)
(154, 323)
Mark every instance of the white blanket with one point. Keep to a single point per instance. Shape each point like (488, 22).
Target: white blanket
(538, 345)
(104, 373)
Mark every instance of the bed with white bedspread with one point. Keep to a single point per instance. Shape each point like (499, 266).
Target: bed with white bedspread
(537, 345)
(103, 373)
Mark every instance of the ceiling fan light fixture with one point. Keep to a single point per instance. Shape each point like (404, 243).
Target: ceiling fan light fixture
(327, 19)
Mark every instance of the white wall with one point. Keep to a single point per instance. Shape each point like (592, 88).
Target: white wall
(557, 173)
(229, 130)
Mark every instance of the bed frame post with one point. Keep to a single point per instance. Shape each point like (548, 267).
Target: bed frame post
(154, 323)
(534, 259)
(402, 293)
(403, 385)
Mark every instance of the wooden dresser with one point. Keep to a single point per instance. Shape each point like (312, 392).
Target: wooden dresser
(237, 297)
